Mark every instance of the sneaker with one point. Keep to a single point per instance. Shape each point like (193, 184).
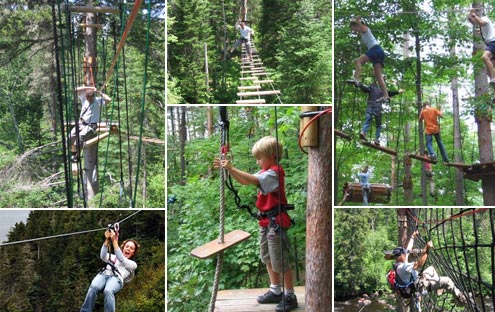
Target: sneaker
(288, 303)
(383, 100)
(74, 159)
(362, 136)
(433, 157)
(269, 297)
(446, 161)
(353, 81)
(376, 142)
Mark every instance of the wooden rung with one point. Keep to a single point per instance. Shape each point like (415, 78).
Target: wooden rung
(93, 9)
(96, 139)
(91, 25)
(214, 247)
(258, 101)
(258, 93)
(248, 78)
(379, 147)
(263, 81)
(259, 74)
(249, 87)
(252, 71)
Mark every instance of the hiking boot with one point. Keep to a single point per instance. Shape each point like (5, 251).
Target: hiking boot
(376, 142)
(353, 81)
(433, 157)
(270, 297)
(362, 136)
(288, 303)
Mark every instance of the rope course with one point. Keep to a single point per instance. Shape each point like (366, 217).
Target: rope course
(68, 33)
(464, 250)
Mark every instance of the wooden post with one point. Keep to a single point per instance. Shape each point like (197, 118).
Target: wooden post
(310, 136)
(319, 221)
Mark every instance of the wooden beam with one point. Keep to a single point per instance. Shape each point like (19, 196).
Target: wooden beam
(263, 81)
(91, 25)
(258, 93)
(342, 134)
(249, 87)
(422, 158)
(259, 101)
(378, 147)
(93, 9)
(97, 139)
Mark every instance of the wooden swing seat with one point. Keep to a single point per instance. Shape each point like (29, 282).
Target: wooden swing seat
(422, 158)
(343, 135)
(380, 192)
(212, 248)
(379, 147)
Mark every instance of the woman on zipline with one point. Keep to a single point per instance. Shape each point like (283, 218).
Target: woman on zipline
(375, 55)
(119, 268)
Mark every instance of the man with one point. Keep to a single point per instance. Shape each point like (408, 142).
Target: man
(89, 117)
(432, 129)
(429, 279)
(373, 107)
(246, 34)
(487, 31)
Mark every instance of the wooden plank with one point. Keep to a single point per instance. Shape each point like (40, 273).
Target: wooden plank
(257, 70)
(214, 246)
(380, 192)
(93, 9)
(378, 147)
(96, 139)
(422, 158)
(342, 134)
(249, 87)
(244, 300)
(91, 25)
(249, 78)
(258, 93)
(263, 81)
(259, 74)
(258, 101)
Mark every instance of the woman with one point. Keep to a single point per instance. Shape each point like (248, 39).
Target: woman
(111, 279)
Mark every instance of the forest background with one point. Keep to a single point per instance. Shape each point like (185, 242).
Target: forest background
(430, 52)
(54, 274)
(193, 198)
(31, 163)
(293, 39)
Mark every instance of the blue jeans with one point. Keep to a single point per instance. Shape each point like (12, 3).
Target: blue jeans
(366, 193)
(429, 146)
(110, 285)
(367, 124)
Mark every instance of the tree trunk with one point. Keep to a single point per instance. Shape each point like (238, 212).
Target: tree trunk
(483, 118)
(90, 153)
(419, 98)
(319, 221)
(182, 144)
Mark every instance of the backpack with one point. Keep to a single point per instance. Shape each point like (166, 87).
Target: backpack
(405, 290)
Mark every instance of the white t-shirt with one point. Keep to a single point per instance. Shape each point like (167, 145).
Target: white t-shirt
(90, 112)
(268, 181)
(488, 31)
(369, 39)
(246, 32)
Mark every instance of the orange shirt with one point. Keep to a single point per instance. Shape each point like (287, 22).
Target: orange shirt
(429, 115)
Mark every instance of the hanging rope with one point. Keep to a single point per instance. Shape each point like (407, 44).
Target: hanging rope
(224, 148)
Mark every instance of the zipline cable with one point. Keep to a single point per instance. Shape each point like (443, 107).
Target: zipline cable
(66, 234)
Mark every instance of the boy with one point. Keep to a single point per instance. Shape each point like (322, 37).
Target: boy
(273, 226)
(430, 116)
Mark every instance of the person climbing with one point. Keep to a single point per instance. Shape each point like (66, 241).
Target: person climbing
(364, 178)
(428, 280)
(373, 107)
(274, 241)
(430, 116)
(487, 32)
(245, 38)
(375, 55)
(119, 268)
(88, 119)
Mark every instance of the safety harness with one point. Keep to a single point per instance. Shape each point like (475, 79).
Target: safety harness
(115, 272)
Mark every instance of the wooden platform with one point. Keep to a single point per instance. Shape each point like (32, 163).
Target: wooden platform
(422, 158)
(476, 172)
(213, 247)
(379, 147)
(244, 300)
(380, 192)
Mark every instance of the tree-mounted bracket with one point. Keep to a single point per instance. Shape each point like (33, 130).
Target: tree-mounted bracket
(310, 134)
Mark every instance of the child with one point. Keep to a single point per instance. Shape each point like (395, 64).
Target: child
(375, 55)
(364, 179)
(430, 116)
(271, 195)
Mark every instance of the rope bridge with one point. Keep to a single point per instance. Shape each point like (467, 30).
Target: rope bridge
(464, 241)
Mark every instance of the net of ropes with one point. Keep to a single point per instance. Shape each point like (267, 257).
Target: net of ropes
(464, 250)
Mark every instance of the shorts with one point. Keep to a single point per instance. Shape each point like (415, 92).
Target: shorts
(376, 55)
(270, 248)
(490, 47)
